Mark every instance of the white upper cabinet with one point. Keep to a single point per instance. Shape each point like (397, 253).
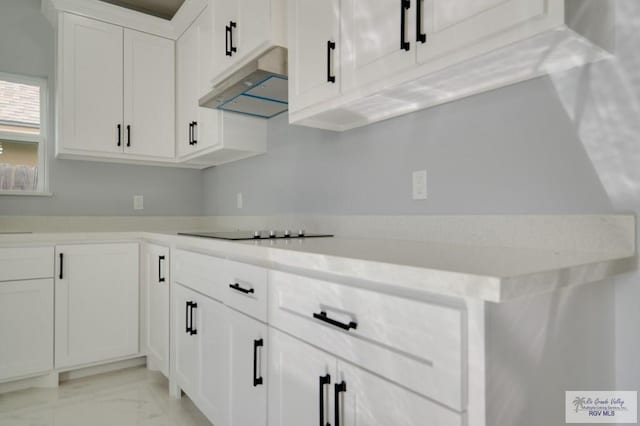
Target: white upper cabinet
(116, 89)
(243, 29)
(197, 127)
(206, 136)
(314, 51)
(399, 56)
(91, 63)
(149, 95)
(378, 40)
(448, 26)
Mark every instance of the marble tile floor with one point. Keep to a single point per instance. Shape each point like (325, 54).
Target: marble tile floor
(131, 397)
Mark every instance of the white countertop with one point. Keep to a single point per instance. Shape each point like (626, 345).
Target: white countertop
(487, 273)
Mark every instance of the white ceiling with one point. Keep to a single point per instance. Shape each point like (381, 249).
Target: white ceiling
(161, 8)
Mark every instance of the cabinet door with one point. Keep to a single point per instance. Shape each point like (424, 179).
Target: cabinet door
(149, 95)
(314, 51)
(371, 47)
(92, 85)
(197, 128)
(186, 88)
(300, 376)
(96, 303)
(213, 353)
(454, 25)
(26, 327)
(185, 341)
(225, 15)
(367, 400)
(157, 274)
(247, 385)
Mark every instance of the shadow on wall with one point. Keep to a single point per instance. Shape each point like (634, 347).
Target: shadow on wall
(603, 102)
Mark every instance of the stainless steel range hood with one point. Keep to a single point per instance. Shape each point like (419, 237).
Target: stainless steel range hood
(259, 89)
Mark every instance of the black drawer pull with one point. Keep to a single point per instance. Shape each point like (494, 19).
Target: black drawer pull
(61, 266)
(322, 316)
(128, 135)
(194, 134)
(161, 278)
(338, 389)
(404, 6)
(227, 31)
(256, 380)
(330, 47)
(237, 287)
(191, 133)
(324, 380)
(119, 126)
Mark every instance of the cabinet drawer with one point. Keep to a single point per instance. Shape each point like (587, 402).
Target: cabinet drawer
(199, 272)
(247, 289)
(24, 263)
(416, 344)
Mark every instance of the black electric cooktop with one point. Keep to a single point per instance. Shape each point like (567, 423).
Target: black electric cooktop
(254, 235)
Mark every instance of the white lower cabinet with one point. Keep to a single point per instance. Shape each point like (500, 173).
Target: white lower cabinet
(247, 385)
(300, 380)
(201, 352)
(96, 303)
(310, 387)
(26, 328)
(156, 263)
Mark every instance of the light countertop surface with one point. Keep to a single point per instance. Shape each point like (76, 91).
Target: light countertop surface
(488, 273)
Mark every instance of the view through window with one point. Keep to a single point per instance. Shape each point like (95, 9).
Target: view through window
(21, 156)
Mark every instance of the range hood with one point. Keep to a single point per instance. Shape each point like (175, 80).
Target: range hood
(259, 89)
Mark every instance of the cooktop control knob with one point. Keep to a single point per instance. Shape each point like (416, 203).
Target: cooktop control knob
(256, 234)
(272, 234)
(287, 233)
(301, 233)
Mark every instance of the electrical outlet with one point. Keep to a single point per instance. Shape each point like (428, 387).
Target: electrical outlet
(239, 201)
(420, 185)
(138, 202)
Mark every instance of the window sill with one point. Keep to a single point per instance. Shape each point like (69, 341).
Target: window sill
(26, 193)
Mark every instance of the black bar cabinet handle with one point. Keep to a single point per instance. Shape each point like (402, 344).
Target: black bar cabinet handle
(330, 46)
(186, 318)
(338, 389)
(193, 330)
(322, 316)
(256, 344)
(237, 287)
(324, 380)
(227, 30)
(61, 266)
(161, 279)
(128, 135)
(404, 6)
(119, 126)
(232, 48)
(420, 36)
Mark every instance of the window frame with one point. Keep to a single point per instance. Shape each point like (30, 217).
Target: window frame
(41, 139)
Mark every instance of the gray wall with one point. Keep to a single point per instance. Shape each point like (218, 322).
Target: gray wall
(508, 151)
(82, 188)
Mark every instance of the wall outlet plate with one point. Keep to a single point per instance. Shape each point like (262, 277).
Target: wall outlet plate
(239, 200)
(420, 185)
(138, 202)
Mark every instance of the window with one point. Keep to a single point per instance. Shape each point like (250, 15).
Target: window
(22, 135)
